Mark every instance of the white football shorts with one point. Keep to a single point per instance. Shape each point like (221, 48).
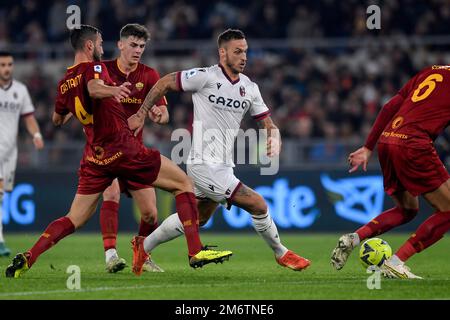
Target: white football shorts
(8, 170)
(213, 181)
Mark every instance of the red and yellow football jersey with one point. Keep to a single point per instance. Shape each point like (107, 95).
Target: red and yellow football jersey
(104, 120)
(142, 79)
(424, 112)
(73, 97)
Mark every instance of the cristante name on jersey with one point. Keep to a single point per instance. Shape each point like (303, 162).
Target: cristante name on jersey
(70, 83)
(131, 100)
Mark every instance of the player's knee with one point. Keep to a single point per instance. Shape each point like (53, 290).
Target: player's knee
(259, 207)
(111, 194)
(409, 213)
(186, 185)
(150, 215)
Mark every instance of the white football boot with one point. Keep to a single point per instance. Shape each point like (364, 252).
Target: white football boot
(400, 270)
(115, 264)
(343, 249)
(151, 266)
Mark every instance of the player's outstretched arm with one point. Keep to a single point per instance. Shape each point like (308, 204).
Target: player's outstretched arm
(358, 158)
(161, 87)
(33, 128)
(273, 136)
(384, 116)
(362, 155)
(99, 90)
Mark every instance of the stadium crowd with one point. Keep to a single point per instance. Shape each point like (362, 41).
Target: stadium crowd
(329, 93)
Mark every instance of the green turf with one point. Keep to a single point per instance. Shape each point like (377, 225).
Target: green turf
(251, 273)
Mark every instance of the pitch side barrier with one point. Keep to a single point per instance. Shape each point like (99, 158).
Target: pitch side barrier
(312, 200)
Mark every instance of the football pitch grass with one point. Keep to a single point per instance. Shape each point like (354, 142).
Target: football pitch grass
(251, 273)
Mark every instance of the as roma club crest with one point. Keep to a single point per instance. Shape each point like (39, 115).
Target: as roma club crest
(397, 122)
(242, 91)
(139, 86)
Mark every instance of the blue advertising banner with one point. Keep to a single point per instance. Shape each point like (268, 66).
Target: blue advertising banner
(297, 200)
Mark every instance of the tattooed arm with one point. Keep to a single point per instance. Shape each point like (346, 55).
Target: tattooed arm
(161, 87)
(273, 136)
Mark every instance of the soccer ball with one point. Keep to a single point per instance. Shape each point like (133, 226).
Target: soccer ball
(374, 252)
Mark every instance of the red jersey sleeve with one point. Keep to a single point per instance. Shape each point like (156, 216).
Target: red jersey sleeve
(388, 111)
(98, 70)
(409, 86)
(60, 103)
(152, 78)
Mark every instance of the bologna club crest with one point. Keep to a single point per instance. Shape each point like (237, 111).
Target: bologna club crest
(242, 91)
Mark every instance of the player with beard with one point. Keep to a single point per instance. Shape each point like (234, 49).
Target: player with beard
(222, 95)
(15, 103)
(112, 151)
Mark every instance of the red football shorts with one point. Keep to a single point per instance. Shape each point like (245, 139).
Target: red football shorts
(134, 173)
(418, 171)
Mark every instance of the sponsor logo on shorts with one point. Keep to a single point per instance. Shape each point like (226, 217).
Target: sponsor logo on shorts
(106, 161)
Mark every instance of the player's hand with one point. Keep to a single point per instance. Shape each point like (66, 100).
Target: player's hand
(158, 115)
(38, 141)
(155, 114)
(359, 157)
(273, 146)
(136, 123)
(121, 92)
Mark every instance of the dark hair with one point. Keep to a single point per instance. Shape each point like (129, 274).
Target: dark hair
(4, 53)
(135, 30)
(79, 36)
(228, 35)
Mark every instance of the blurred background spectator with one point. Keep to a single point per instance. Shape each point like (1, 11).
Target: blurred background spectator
(323, 74)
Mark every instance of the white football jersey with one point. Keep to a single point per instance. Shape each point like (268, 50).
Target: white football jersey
(15, 101)
(219, 107)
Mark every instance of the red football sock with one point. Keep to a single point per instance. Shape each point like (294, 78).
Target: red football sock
(146, 228)
(386, 221)
(109, 223)
(427, 234)
(55, 231)
(188, 214)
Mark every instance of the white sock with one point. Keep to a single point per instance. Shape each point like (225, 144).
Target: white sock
(110, 253)
(1, 217)
(169, 229)
(267, 229)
